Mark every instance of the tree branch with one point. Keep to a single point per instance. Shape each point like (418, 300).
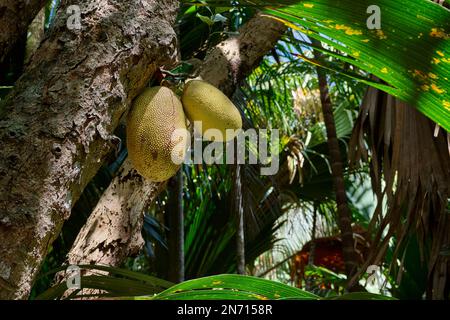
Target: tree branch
(235, 58)
(108, 231)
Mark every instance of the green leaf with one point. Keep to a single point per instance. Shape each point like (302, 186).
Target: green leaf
(205, 19)
(53, 293)
(230, 286)
(191, 10)
(218, 287)
(411, 52)
(130, 283)
(130, 274)
(222, 9)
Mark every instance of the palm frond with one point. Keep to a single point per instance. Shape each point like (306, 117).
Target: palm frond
(410, 167)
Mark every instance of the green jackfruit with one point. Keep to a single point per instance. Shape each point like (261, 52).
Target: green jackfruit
(156, 134)
(205, 103)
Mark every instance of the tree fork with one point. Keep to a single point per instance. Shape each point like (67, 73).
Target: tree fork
(219, 68)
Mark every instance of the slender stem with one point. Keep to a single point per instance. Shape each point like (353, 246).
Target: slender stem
(240, 239)
(176, 225)
(313, 237)
(312, 248)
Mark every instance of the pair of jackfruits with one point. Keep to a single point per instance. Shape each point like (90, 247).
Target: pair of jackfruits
(157, 135)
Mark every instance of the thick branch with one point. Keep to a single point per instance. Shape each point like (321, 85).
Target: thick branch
(56, 127)
(109, 230)
(15, 17)
(257, 37)
(233, 59)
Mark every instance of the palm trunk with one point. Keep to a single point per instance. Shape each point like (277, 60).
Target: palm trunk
(343, 212)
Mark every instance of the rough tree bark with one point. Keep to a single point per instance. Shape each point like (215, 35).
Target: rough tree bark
(56, 126)
(15, 17)
(233, 59)
(225, 66)
(117, 222)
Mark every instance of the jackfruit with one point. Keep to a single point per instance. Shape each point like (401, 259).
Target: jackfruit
(206, 104)
(156, 134)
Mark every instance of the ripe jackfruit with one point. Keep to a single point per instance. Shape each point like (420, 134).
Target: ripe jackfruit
(204, 102)
(155, 147)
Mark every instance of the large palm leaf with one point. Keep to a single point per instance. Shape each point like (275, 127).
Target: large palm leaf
(411, 52)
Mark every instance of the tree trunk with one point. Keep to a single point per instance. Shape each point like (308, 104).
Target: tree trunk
(175, 217)
(56, 127)
(343, 211)
(15, 17)
(256, 38)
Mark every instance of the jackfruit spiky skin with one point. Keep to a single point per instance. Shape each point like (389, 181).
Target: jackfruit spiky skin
(204, 102)
(151, 137)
